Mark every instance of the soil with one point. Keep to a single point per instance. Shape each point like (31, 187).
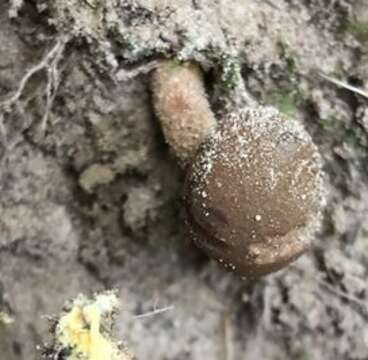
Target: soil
(90, 194)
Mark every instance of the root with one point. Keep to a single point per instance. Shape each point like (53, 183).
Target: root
(50, 64)
(126, 75)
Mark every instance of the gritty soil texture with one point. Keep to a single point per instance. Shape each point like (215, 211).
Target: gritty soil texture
(90, 195)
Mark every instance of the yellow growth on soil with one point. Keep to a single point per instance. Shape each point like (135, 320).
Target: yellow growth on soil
(79, 329)
(5, 318)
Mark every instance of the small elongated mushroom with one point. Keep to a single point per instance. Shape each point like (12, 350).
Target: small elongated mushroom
(183, 109)
(253, 188)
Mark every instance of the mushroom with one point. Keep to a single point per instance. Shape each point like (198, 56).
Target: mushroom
(253, 187)
(182, 107)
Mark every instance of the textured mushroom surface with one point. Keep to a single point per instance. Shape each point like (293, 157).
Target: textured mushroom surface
(254, 191)
(181, 104)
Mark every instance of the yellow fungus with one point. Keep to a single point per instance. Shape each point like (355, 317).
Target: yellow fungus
(79, 329)
(5, 318)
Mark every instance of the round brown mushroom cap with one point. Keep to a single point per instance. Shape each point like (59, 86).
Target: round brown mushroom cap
(253, 192)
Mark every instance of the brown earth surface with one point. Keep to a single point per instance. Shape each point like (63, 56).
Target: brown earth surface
(90, 195)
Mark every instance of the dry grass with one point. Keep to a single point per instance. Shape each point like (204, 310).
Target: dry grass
(345, 85)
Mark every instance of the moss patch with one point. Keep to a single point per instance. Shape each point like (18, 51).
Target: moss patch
(286, 102)
(359, 29)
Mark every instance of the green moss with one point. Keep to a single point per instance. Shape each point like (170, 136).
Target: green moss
(358, 29)
(230, 74)
(289, 57)
(286, 96)
(226, 65)
(350, 134)
(305, 355)
(286, 102)
(134, 49)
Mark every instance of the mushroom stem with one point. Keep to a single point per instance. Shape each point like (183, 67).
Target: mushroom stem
(182, 107)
